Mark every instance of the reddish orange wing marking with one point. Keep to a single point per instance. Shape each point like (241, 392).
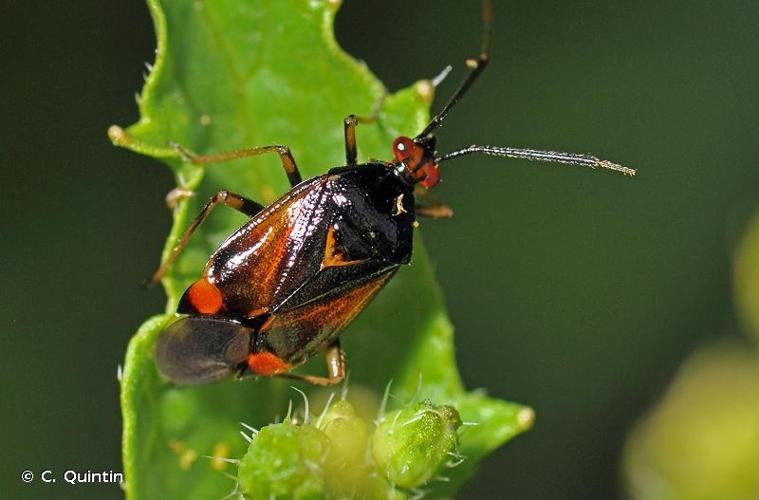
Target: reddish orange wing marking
(205, 297)
(341, 310)
(317, 323)
(262, 246)
(334, 257)
(267, 364)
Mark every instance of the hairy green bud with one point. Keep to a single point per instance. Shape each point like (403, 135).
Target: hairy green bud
(411, 444)
(347, 433)
(285, 461)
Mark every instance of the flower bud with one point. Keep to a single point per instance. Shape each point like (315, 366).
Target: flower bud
(347, 434)
(411, 444)
(284, 461)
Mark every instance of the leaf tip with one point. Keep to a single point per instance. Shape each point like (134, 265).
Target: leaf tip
(117, 135)
(526, 418)
(426, 90)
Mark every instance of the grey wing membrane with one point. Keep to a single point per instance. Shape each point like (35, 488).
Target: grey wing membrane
(198, 350)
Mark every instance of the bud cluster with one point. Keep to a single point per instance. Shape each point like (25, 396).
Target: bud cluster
(340, 455)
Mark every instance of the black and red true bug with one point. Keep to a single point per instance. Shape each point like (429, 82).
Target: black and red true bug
(281, 288)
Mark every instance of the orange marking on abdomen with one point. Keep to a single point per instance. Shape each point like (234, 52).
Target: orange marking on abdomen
(267, 364)
(205, 297)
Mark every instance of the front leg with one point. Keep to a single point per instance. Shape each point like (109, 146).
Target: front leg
(436, 211)
(285, 156)
(349, 130)
(120, 137)
(429, 206)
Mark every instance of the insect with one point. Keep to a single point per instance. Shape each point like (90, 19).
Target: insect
(281, 288)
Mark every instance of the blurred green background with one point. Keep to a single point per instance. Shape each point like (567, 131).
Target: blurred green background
(576, 292)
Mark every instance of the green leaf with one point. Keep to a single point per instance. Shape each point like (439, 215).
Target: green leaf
(229, 75)
(746, 277)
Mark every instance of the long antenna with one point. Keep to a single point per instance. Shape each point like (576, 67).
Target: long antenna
(583, 160)
(476, 66)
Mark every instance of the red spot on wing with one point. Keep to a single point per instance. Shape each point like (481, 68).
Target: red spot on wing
(267, 364)
(205, 297)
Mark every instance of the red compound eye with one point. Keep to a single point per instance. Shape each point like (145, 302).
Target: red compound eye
(403, 148)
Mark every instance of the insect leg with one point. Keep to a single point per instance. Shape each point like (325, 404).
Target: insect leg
(227, 198)
(288, 162)
(335, 358)
(428, 205)
(436, 211)
(349, 127)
